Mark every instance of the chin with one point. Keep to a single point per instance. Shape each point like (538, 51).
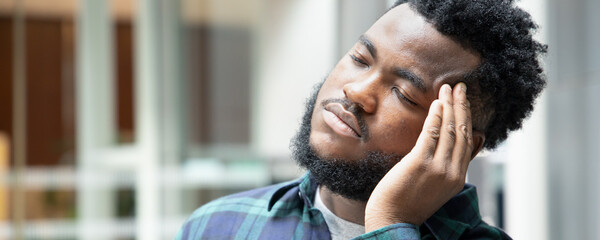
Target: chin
(351, 176)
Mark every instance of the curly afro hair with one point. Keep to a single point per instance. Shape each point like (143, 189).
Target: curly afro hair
(503, 89)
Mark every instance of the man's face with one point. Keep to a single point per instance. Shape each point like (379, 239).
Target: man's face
(378, 95)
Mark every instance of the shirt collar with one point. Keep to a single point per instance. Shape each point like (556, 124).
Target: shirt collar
(306, 185)
(458, 214)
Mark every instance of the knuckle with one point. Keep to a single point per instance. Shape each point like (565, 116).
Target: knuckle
(434, 132)
(451, 129)
(454, 178)
(437, 172)
(464, 105)
(429, 154)
(470, 142)
(464, 130)
(441, 170)
(437, 118)
(456, 181)
(423, 168)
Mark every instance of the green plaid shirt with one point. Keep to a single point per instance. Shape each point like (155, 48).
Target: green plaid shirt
(286, 211)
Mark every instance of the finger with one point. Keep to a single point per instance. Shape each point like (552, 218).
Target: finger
(464, 136)
(428, 139)
(448, 129)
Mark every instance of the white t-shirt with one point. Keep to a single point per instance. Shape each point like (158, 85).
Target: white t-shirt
(340, 229)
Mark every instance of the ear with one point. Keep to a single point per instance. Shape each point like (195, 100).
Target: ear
(478, 140)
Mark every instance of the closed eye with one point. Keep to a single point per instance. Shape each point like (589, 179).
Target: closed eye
(402, 96)
(358, 60)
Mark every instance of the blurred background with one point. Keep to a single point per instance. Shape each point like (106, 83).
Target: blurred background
(118, 118)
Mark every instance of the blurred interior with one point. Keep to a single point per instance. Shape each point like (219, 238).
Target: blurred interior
(119, 118)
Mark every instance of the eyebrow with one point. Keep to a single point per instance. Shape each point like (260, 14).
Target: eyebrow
(400, 72)
(412, 77)
(368, 44)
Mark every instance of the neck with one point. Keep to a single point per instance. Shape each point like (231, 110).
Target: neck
(347, 209)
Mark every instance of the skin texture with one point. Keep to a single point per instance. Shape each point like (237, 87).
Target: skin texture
(430, 127)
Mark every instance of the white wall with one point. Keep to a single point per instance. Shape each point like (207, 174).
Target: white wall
(524, 154)
(573, 117)
(552, 165)
(295, 49)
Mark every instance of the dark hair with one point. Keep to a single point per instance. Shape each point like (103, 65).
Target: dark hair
(503, 88)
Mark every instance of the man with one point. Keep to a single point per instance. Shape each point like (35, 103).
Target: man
(388, 136)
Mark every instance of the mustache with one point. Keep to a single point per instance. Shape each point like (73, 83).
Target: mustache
(353, 108)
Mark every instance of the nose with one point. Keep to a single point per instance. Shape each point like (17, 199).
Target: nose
(363, 92)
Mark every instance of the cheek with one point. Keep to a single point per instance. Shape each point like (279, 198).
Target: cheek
(399, 136)
(399, 132)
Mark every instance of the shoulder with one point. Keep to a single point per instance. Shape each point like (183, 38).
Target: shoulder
(239, 203)
(227, 215)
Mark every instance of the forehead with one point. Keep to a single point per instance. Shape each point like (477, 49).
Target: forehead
(404, 38)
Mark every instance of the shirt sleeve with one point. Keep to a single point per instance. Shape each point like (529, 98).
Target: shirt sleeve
(402, 231)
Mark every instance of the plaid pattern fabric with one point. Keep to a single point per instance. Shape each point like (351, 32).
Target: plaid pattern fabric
(285, 211)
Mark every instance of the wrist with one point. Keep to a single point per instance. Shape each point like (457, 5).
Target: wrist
(375, 220)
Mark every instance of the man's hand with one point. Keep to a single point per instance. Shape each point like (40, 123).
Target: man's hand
(434, 170)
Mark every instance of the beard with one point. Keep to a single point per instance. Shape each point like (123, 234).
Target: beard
(352, 179)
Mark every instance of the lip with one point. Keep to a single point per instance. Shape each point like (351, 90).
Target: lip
(341, 121)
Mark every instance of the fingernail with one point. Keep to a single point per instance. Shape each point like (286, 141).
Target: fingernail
(463, 87)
